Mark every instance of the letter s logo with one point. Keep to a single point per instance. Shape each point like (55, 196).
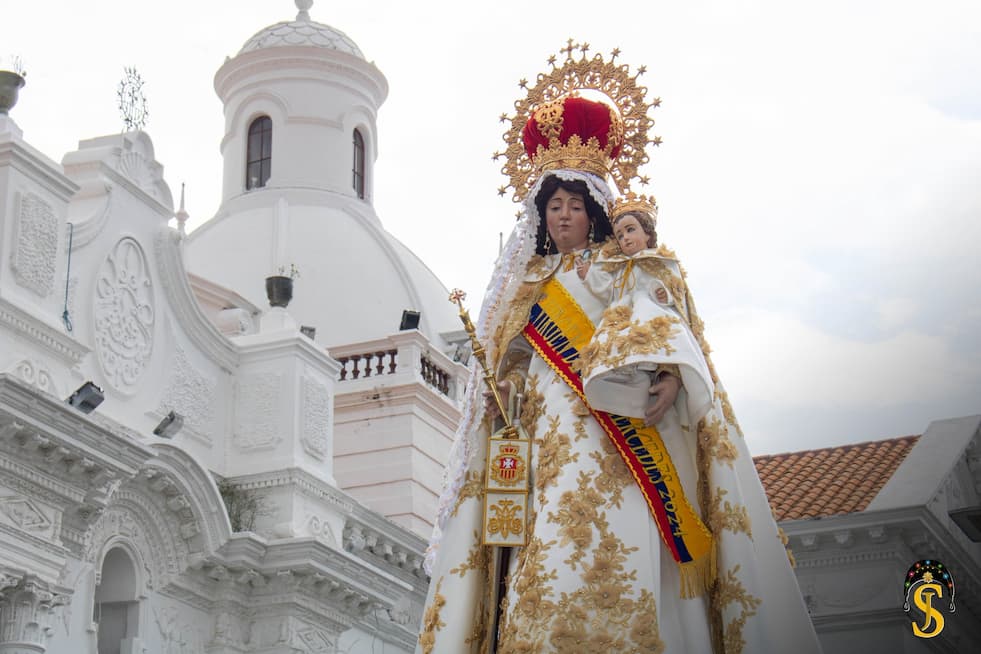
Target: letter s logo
(923, 598)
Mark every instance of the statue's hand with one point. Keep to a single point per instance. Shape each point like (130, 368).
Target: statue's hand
(490, 405)
(664, 392)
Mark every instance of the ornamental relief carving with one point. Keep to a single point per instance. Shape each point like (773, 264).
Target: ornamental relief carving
(124, 315)
(191, 394)
(321, 529)
(24, 514)
(35, 255)
(257, 412)
(315, 640)
(316, 417)
(36, 375)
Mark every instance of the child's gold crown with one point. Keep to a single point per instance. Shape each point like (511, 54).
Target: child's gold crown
(633, 202)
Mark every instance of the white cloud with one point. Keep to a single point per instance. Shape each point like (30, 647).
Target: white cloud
(776, 358)
(895, 312)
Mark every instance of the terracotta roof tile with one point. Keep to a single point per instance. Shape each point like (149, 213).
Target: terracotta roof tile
(832, 480)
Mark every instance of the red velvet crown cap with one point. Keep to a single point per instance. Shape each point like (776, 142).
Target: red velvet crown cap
(572, 116)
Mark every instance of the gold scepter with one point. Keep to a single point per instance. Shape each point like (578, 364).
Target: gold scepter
(508, 460)
(505, 483)
(509, 431)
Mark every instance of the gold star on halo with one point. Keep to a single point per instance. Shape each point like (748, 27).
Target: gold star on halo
(501, 190)
(645, 180)
(657, 140)
(584, 47)
(615, 53)
(504, 118)
(523, 83)
(656, 102)
(551, 60)
(928, 576)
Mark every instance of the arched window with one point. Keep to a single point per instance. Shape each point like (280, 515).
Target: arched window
(117, 606)
(358, 169)
(258, 156)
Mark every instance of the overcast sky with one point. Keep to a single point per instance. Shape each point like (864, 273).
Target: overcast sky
(819, 176)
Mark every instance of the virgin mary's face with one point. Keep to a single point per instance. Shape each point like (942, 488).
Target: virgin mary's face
(567, 220)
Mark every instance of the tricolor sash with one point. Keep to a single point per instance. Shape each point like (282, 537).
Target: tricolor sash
(558, 328)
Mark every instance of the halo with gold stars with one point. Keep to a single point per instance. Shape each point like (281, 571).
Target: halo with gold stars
(577, 73)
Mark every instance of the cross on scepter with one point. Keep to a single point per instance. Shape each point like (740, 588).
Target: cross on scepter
(457, 296)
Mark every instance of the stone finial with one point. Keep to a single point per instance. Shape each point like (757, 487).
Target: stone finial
(304, 7)
(181, 214)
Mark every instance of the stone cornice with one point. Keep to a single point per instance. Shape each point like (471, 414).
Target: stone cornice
(263, 347)
(306, 482)
(63, 435)
(899, 535)
(35, 165)
(55, 341)
(236, 70)
(301, 567)
(374, 393)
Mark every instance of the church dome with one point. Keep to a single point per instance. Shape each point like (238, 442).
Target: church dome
(302, 31)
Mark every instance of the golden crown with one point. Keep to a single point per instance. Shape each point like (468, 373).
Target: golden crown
(633, 202)
(624, 150)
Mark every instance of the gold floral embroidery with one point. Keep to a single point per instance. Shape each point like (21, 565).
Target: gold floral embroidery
(472, 487)
(724, 515)
(476, 558)
(730, 590)
(431, 622)
(554, 452)
(714, 437)
(613, 474)
(618, 338)
(579, 409)
(576, 515)
(532, 406)
(782, 535)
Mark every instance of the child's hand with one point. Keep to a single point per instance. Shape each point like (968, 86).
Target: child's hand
(661, 295)
(582, 267)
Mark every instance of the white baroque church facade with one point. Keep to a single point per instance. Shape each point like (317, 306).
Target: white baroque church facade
(284, 501)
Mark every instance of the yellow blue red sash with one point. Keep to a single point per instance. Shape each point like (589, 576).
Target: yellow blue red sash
(558, 328)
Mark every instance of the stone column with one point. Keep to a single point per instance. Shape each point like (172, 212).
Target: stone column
(26, 613)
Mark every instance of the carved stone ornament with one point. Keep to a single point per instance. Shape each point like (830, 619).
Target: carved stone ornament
(36, 375)
(27, 605)
(315, 640)
(192, 394)
(36, 251)
(257, 412)
(316, 417)
(25, 514)
(124, 315)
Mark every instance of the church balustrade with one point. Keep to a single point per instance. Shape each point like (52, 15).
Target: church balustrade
(405, 353)
(356, 366)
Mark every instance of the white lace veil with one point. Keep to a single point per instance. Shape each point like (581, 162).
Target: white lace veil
(509, 272)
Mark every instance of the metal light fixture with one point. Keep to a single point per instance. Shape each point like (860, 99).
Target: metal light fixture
(87, 397)
(410, 320)
(169, 426)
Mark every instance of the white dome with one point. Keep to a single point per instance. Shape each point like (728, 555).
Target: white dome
(355, 278)
(302, 31)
